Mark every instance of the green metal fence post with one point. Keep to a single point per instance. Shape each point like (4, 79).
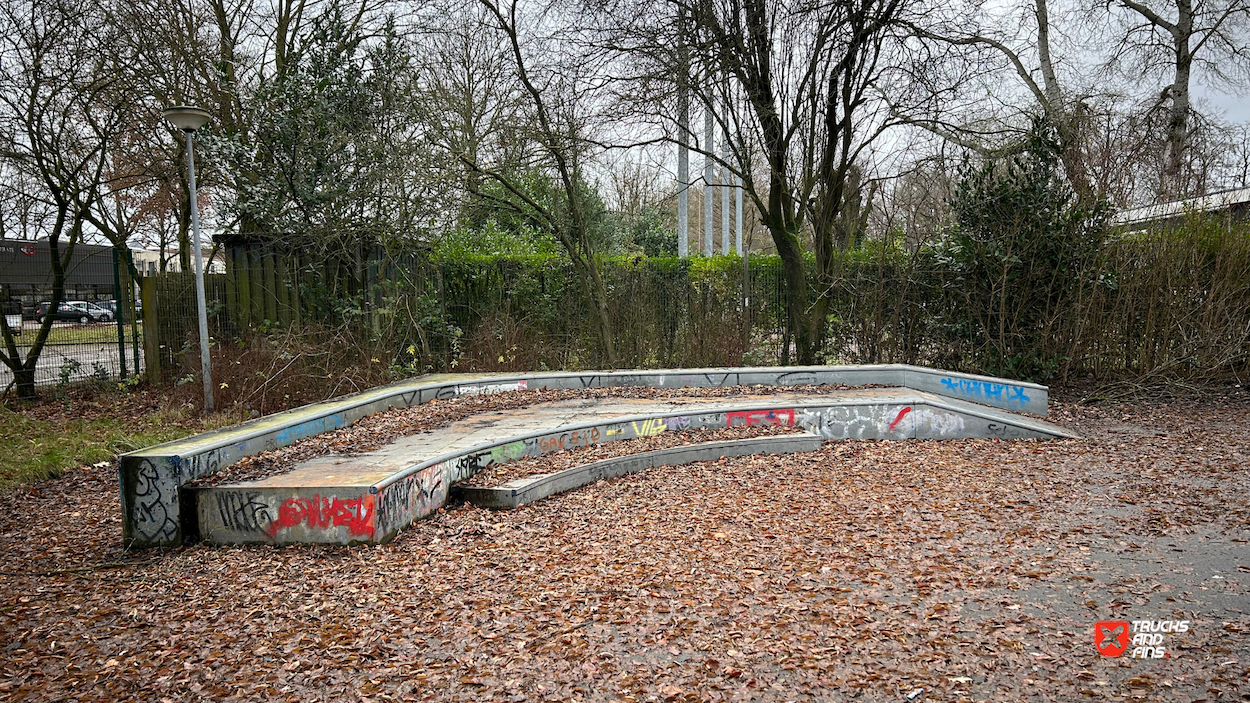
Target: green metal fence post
(129, 284)
(119, 302)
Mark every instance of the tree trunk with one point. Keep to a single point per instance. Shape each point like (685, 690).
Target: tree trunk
(1064, 119)
(1178, 112)
(800, 325)
(184, 221)
(25, 380)
(596, 295)
(24, 369)
(600, 301)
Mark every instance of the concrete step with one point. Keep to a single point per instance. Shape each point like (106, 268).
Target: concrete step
(521, 491)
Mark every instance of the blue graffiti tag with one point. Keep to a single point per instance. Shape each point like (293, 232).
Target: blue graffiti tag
(985, 390)
(290, 435)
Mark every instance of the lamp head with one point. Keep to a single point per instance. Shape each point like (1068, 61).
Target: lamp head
(185, 117)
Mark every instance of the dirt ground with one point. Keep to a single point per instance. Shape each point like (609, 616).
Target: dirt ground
(967, 570)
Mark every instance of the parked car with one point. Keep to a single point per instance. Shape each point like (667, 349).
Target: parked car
(111, 306)
(78, 311)
(13, 315)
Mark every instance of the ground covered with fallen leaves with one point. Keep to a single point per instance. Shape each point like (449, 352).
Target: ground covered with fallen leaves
(499, 474)
(972, 570)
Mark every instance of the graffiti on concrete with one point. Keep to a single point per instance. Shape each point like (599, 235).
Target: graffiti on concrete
(414, 496)
(850, 421)
(507, 452)
(488, 388)
(453, 391)
(751, 418)
(1007, 431)
(677, 424)
(986, 391)
(899, 418)
(326, 512)
(463, 467)
(155, 505)
(877, 421)
(650, 427)
(700, 380)
(719, 380)
(204, 464)
(709, 420)
(242, 511)
(797, 378)
(937, 422)
(568, 440)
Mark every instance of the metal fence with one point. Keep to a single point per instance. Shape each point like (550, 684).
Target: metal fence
(94, 332)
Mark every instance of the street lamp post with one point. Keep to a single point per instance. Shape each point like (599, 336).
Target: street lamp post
(189, 119)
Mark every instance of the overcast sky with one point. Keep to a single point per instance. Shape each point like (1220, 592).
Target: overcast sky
(1235, 108)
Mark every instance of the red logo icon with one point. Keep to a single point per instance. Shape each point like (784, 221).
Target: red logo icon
(1111, 637)
(28, 249)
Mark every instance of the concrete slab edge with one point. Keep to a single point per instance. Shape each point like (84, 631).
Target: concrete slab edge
(524, 491)
(727, 414)
(247, 514)
(149, 479)
(413, 493)
(293, 425)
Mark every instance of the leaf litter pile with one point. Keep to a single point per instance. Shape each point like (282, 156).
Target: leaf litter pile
(945, 570)
(500, 474)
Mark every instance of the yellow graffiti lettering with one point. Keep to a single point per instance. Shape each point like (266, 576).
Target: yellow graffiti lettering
(649, 428)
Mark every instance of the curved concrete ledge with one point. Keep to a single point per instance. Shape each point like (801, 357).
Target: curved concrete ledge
(376, 510)
(150, 479)
(522, 491)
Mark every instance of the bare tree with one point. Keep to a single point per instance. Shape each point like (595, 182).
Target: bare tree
(470, 108)
(805, 85)
(164, 53)
(1172, 38)
(1000, 123)
(914, 206)
(555, 84)
(1237, 169)
(56, 122)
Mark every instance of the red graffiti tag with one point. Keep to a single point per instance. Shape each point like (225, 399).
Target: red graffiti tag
(899, 418)
(356, 515)
(750, 418)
